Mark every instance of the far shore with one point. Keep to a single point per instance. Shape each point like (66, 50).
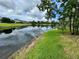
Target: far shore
(4, 26)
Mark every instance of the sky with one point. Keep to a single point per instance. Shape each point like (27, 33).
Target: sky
(22, 9)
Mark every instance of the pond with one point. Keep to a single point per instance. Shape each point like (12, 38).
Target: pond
(13, 39)
(8, 31)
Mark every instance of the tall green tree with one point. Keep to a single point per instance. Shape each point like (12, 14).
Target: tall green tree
(6, 20)
(70, 10)
(49, 6)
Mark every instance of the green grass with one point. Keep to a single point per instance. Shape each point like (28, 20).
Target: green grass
(4, 26)
(10, 24)
(48, 47)
(52, 45)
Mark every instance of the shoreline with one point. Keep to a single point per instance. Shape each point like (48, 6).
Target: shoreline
(25, 48)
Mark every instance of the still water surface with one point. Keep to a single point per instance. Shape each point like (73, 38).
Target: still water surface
(13, 39)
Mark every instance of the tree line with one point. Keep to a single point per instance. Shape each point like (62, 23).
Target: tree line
(68, 12)
(6, 20)
(38, 23)
(33, 23)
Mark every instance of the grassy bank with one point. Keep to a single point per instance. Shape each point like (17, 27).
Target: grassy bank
(52, 45)
(11, 24)
(48, 47)
(4, 26)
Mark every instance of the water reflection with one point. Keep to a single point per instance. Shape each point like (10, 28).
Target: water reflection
(44, 27)
(7, 31)
(17, 38)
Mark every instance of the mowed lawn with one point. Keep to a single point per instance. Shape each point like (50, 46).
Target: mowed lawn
(52, 45)
(48, 47)
(10, 24)
(4, 26)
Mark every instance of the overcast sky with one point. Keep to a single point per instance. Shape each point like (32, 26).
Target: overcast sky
(21, 9)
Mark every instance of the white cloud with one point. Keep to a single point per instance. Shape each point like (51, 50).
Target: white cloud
(36, 13)
(21, 9)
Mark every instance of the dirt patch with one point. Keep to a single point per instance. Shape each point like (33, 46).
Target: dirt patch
(71, 46)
